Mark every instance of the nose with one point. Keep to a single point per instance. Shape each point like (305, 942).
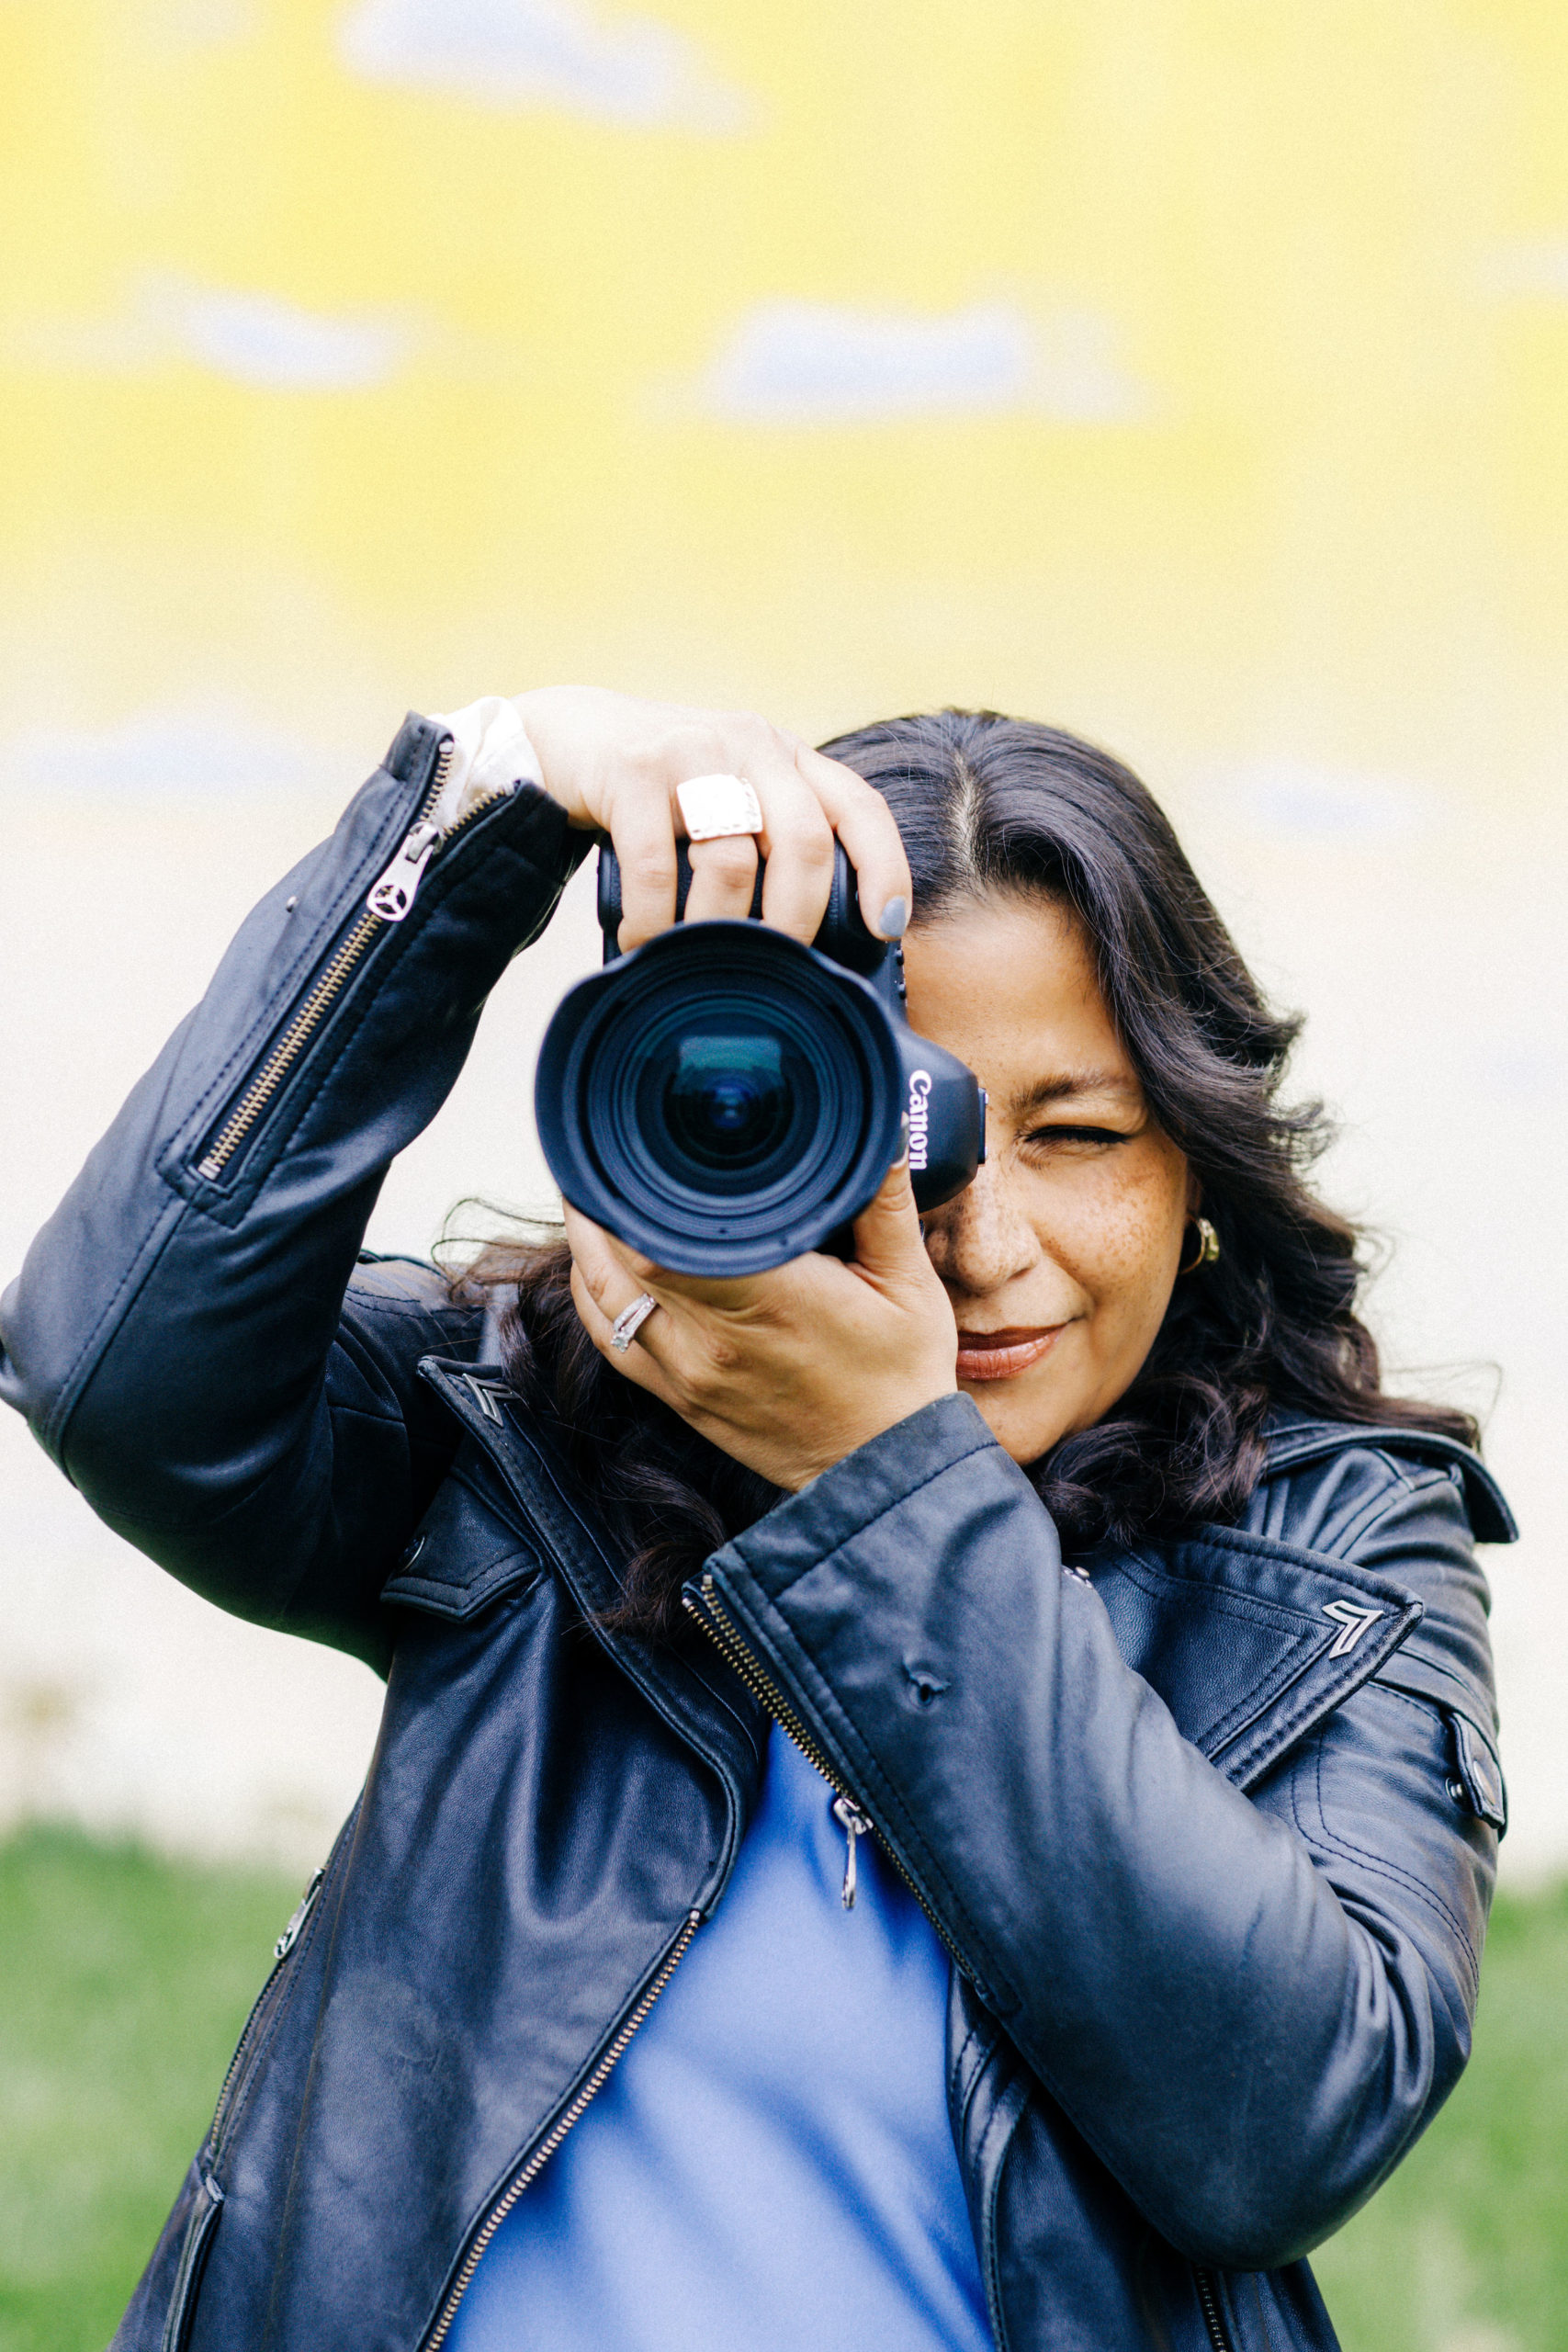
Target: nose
(981, 1241)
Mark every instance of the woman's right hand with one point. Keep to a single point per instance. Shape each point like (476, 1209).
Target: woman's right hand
(614, 762)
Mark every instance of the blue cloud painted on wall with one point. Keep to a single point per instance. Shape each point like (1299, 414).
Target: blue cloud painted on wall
(814, 363)
(1300, 798)
(259, 339)
(213, 749)
(252, 338)
(556, 53)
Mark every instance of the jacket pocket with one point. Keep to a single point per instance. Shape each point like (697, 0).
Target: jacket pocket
(463, 1556)
(457, 1602)
(195, 2248)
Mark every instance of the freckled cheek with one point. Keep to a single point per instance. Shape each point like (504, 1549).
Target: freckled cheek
(1117, 1231)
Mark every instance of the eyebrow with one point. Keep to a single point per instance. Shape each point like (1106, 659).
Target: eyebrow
(1068, 1087)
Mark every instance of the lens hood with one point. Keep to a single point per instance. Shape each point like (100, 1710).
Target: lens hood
(723, 1098)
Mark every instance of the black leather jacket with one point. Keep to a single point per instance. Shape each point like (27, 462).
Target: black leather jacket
(1207, 1826)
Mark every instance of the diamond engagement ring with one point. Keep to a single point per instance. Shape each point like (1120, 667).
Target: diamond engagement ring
(629, 1322)
(716, 808)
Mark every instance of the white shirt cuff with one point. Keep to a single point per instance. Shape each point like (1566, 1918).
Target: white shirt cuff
(490, 754)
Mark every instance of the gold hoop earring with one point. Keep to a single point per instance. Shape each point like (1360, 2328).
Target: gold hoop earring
(1208, 1247)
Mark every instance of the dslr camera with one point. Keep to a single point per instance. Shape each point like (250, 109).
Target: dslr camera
(725, 1099)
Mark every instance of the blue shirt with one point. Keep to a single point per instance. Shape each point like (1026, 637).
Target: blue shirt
(770, 2167)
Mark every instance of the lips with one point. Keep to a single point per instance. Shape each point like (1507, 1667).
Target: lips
(1002, 1355)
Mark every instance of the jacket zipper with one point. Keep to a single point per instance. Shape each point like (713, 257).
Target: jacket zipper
(563, 2123)
(1208, 2301)
(853, 1820)
(193, 2255)
(193, 2259)
(387, 901)
(280, 1951)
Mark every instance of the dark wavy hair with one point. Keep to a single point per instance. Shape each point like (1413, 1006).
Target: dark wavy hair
(988, 805)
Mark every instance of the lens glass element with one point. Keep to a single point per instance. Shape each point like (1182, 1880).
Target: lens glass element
(727, 1101)
(723, 1100)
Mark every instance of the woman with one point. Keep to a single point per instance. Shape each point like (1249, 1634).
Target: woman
(1129, 1643)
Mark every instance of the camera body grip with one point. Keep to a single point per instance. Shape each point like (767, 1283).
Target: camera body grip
(843, 936)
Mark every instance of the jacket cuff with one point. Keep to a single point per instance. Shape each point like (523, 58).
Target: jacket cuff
(848, 1499)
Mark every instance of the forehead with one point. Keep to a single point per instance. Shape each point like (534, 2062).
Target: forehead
(1008, 984)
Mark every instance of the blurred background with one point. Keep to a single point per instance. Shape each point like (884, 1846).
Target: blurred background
(1190, 373)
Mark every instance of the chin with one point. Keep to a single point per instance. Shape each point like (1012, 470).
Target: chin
(1024, 1427)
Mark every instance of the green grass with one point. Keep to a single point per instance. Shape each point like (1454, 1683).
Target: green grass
(1466, 2249)
(124, 1981)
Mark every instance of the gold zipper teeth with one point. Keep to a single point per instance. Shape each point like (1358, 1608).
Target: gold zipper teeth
(287, 1052)
(559, 2128)
(720, 1629)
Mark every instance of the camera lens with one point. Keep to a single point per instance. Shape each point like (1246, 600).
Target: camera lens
(724, 1099)
(728, 1102)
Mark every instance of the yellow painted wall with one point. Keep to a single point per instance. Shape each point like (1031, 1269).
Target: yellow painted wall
(1321, 247)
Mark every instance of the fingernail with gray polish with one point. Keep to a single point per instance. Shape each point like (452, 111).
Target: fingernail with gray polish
(894, 919)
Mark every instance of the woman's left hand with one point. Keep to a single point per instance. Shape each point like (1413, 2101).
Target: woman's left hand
(788, 1371)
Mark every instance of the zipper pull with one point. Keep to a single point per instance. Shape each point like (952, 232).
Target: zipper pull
(291, 1935)
(393, 894)
(855, 1826)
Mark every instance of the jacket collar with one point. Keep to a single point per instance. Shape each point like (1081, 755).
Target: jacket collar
(707, 1707)
(1293, 1440)
(1250, 1642)
(1253, 1643)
